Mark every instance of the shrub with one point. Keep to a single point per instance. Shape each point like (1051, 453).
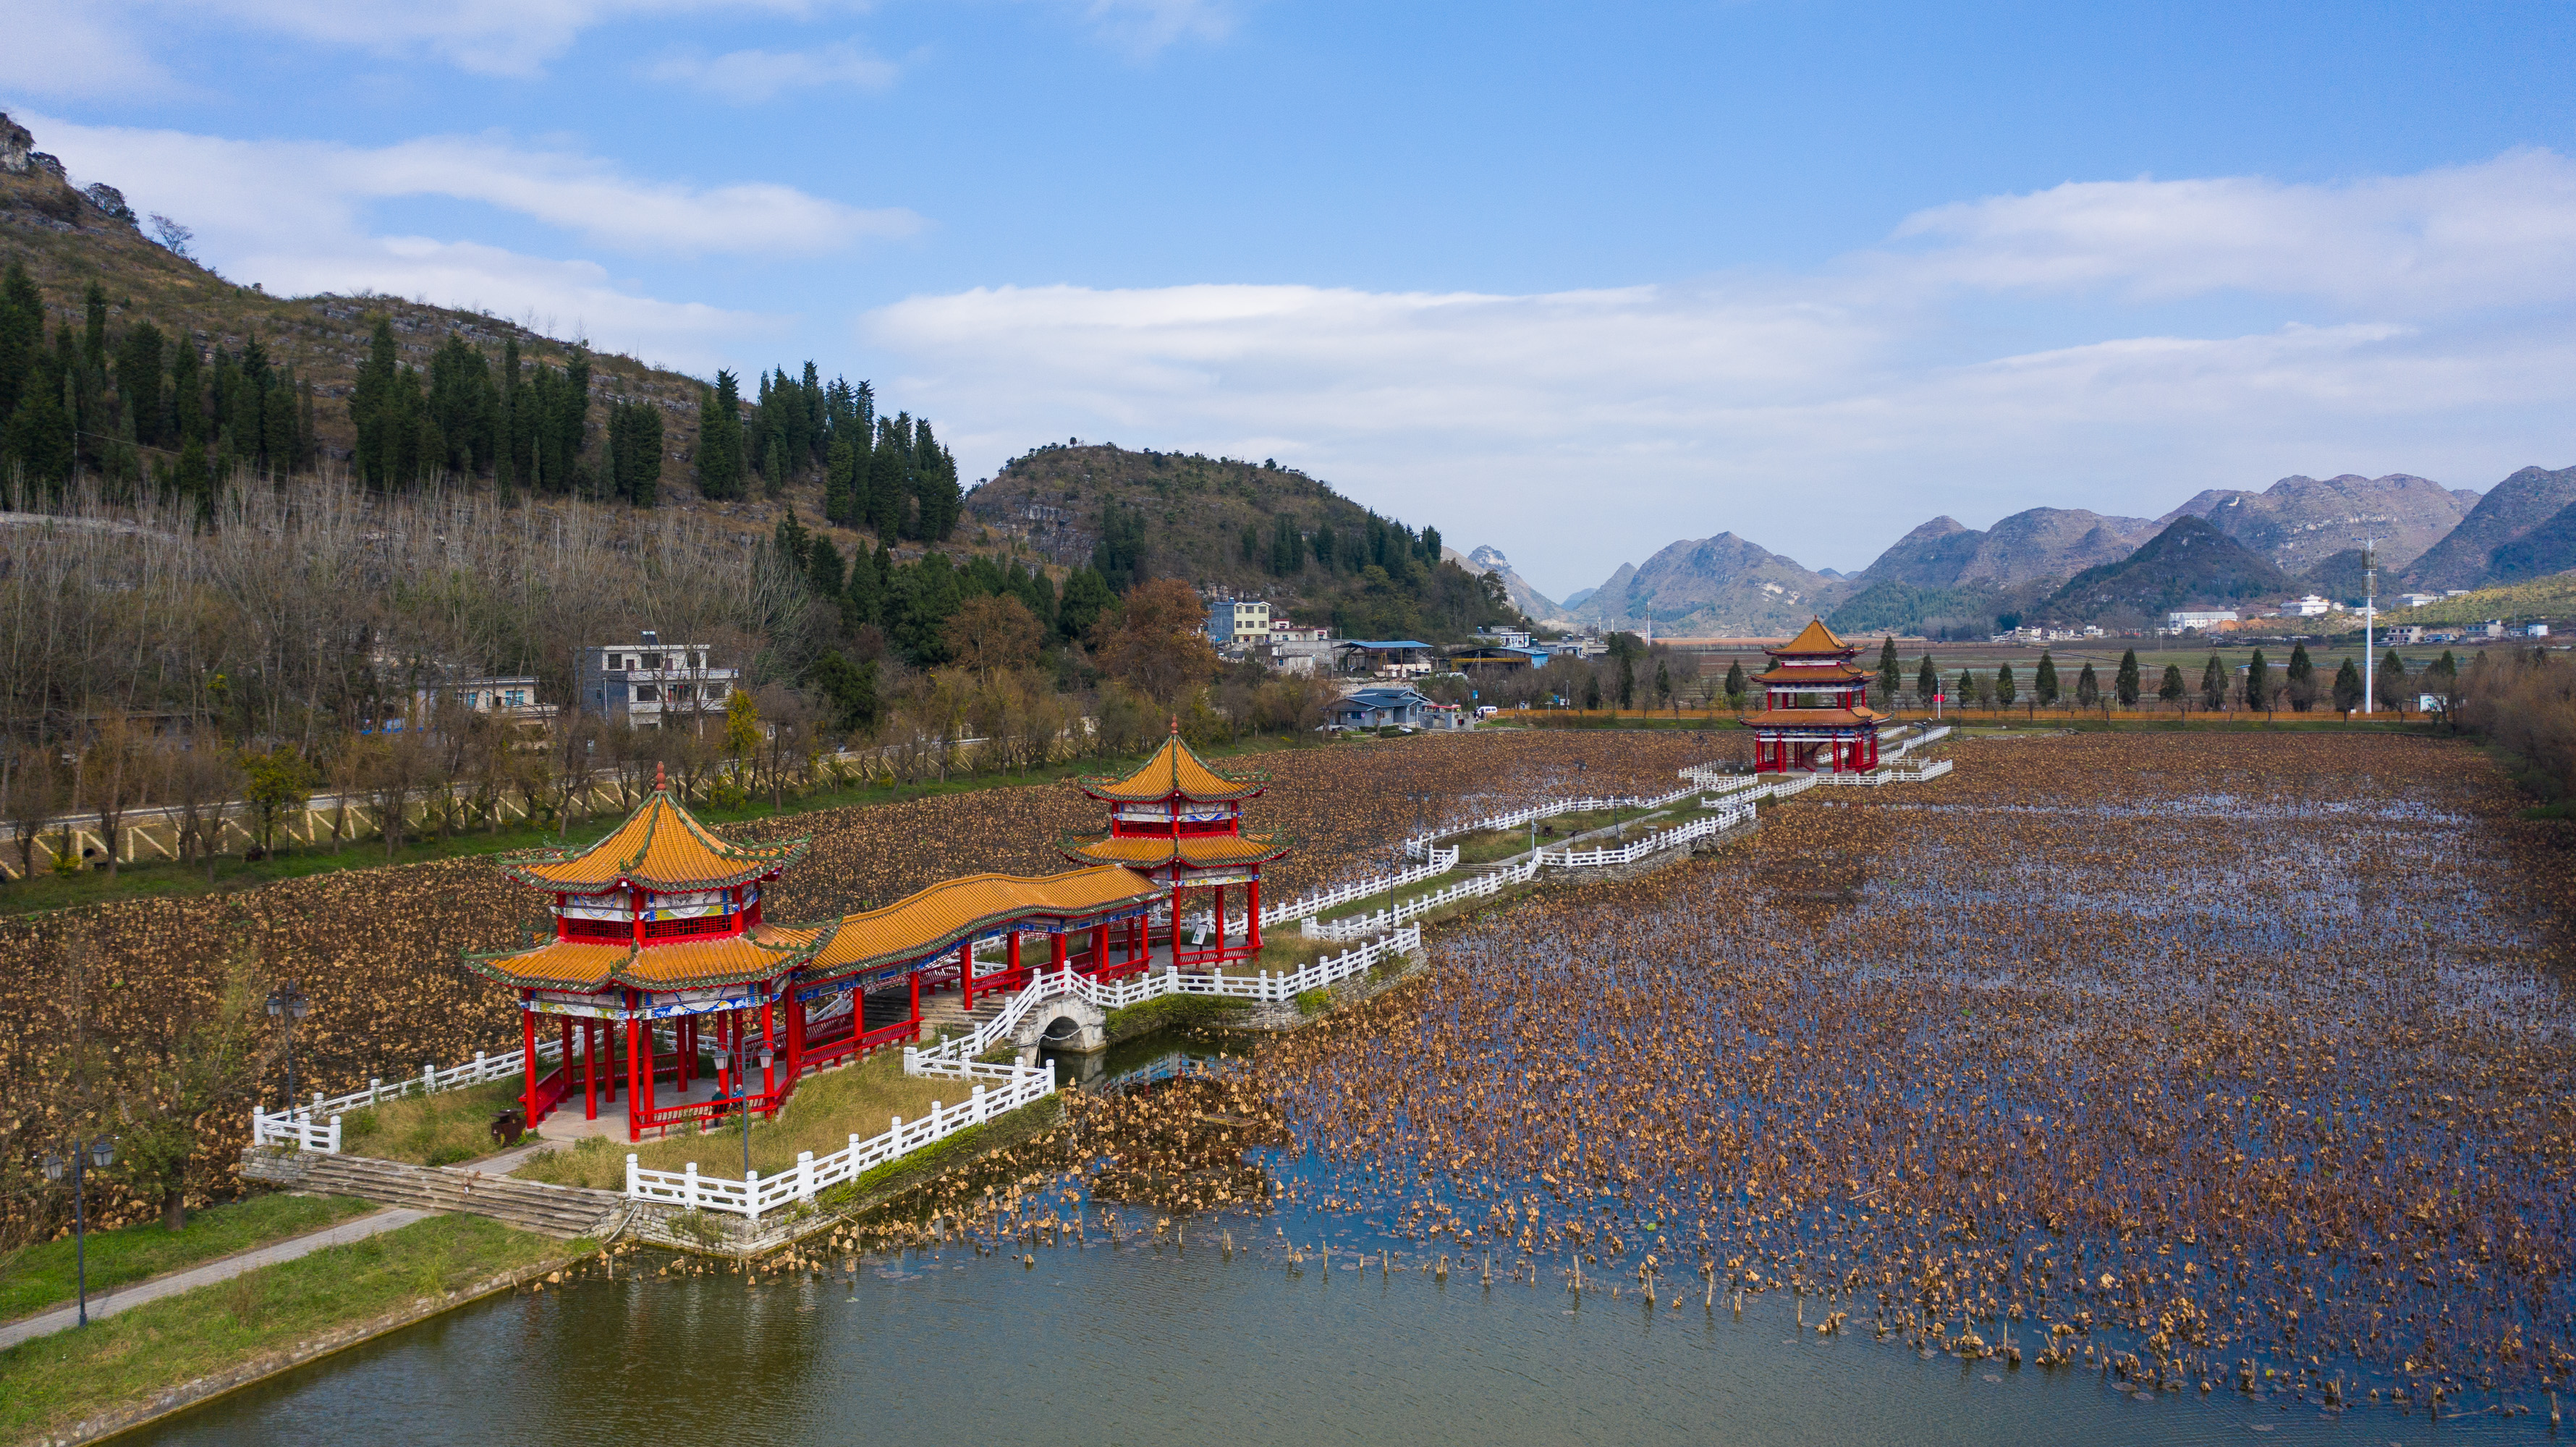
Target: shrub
(1314, 1002)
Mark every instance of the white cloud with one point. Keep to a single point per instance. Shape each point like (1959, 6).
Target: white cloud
(490, 37)
(286, 188)
(2498, 233)
(2425, 332)
(749, 77)
(1146, 26)
(74, 51)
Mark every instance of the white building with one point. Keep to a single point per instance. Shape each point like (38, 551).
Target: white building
(2189, 620)
(645, 683)
(2310, 606)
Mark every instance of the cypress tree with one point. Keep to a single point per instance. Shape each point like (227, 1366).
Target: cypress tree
(2347, 688)
(39, 434)
(2044, 685)
(2213, 685)
(2172, 688)
(889, 482)
(373, 406)
(2005, 689)
(935, 483)
(773, 467)
(840, 472)
(2124, 685)
(2301, 678)
(2392, 682)
(1966, 693)
(2258, 683)
(138, 379)
(2088, 687)
(1287, 546)
(22, 334)
(1891, 674)
(720, 439)
(1927, 681)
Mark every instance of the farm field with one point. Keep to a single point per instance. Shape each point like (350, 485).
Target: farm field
(2175, 1054)
(377, 949)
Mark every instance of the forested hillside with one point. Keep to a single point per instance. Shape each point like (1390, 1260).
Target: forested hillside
(1255, 530)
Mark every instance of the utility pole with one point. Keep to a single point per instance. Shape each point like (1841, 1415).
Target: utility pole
(2369, 625)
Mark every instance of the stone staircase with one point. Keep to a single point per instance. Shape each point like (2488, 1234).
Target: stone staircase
(943, 1012)
(562, 1212)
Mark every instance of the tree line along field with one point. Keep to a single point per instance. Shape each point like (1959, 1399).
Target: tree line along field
(377, 949)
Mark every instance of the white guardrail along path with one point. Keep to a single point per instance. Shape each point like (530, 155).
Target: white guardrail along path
(306, 1127)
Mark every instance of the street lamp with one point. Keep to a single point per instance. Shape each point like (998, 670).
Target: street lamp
(287, 1005)
(100, 1153)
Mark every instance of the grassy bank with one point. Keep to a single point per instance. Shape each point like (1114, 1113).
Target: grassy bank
(127, 1360)
(35, 1278)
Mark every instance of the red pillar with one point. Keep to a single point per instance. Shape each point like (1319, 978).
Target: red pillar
(1252, 907)
(589, 1069)
(528, 1058)
(634, 1129)
(915, 977)
(644, 1066)
(795, 1041)
(687, 1032)
(1099, 947)
(1058, 952)
(966, 975)
(1013, 965)
(1219, 916)
(769, 1043)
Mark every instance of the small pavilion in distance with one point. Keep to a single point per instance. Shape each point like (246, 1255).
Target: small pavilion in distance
(660, 955)
(1815, 715)
(1180, 823)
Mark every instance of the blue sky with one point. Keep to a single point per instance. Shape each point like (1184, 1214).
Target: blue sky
(1572, 281)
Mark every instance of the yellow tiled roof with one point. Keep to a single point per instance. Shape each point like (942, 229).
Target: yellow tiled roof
(1174, 769)
(662, 847)
(1814, 638)
(765, 952)
(946, 914)
(1838, 671)
(1203, 851)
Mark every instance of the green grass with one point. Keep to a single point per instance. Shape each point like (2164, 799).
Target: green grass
(1172, 1010)
(430, 1130)
(168, 879)
(34, 1278)
(133, 1356)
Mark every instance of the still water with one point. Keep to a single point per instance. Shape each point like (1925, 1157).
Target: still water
(1147, 1345)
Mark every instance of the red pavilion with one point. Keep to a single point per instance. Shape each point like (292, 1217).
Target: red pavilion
(1815, 715)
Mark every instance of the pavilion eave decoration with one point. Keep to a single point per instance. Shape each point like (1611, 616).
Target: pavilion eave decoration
(660, 847)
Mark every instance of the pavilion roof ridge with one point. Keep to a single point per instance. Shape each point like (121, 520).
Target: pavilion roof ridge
(1174, 769)
(685, 857)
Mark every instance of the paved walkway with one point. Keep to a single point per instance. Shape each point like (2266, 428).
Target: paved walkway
(224, 1268)
(206, 1274)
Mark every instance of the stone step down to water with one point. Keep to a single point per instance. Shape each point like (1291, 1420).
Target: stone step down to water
(562, 1212)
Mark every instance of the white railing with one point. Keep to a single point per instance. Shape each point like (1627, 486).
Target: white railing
(301, 1126)
(1415, 846)
(1362, 926)
(1652, 844)
(1439, 862)
(1012, 1086)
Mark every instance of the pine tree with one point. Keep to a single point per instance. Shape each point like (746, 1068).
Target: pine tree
(2213, 685)
(1927, 682)
(1251, 542)
(1119, 555)
(720, 439)
(94, 329)
(1966, 692)
(2347, 688)
(1087, 595)
(1891, 674)
(2172, 688)
(935, 485)
(1735, 683)
(39, 435)
(2088, 687)
(840, 471)
(2005, 689)
(2124, 685)
(2258, 683)
(2044, 686)
(1287, 546)
(889, 481)
(773, 466)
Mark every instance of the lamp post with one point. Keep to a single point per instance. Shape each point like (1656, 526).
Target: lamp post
(287, 1005)
(100, 1153)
